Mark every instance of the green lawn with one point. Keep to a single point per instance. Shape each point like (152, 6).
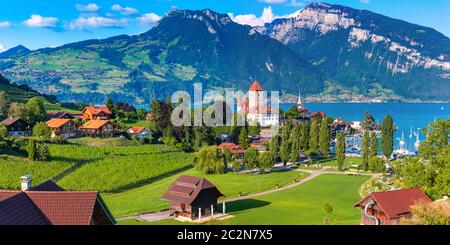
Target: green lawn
(148, 198)
(299, 205)
(347, 163)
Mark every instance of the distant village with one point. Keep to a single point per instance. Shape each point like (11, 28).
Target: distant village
(308, 142)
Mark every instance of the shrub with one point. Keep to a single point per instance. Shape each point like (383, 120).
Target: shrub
(42, 130)
(377, 165)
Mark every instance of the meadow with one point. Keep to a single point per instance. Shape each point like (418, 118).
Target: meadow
(300, 205)
(148, 198)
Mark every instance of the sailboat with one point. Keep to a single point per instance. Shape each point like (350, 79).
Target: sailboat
(417, 143)
(402, 151)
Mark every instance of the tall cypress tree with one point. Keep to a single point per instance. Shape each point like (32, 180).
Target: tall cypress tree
(305, 136)
(340, 150)
(273, 148)
(295, 144)
(32, 150)
(243, 138)
(285, 144)
(387, 136)
(324, 138)
(365, 151)
(314, 136)
(373, 145)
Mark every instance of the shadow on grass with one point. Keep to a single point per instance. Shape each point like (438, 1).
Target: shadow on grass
(243, 205)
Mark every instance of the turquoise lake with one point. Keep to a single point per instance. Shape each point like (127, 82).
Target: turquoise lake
(406, 115)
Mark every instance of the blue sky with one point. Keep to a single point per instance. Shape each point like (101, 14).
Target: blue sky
(47, 23)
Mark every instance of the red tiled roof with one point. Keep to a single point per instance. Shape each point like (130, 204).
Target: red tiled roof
(256, 86)
(186, 189)
(48, 204)
(96, 110)
(398, 202)
(57, 122)
(136, 129)
(315, 114)
(228, 145)
(94, 124)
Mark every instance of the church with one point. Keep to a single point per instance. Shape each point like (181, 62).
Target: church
(256, 110)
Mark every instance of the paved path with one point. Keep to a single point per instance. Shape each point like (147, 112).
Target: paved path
(312, 175)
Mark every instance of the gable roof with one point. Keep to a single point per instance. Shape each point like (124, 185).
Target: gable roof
(58, 114)
(397, 202)
(47, 204)
(186, 189)
(256, 86)
(10, 120)
(136, 129)
(94, 110)
(57, 122)
(94, 124)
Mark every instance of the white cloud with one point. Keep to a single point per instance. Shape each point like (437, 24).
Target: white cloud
(97, 21)
(149, 18)
(272, 1)
(5, 24)
(91, 7)
(267, 17)
(39, 21)
(365, 1)
(124, 10)
(2, 48)
(295, 3)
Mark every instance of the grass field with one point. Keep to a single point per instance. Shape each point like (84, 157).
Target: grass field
(148, 198)
(299, 205)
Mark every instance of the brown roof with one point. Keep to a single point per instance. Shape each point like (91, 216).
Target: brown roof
(256, 86)
(398, 202)
(94, 124)
(58, 114)
(57, 122)
(186, 189)
(9, 121)
(48, 204)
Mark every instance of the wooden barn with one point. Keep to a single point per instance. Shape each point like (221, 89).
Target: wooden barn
(192, 197)
(389, 207)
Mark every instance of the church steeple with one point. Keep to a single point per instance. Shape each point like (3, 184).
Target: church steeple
(299, 102)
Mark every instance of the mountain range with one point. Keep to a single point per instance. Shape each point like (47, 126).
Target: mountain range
(326, 50)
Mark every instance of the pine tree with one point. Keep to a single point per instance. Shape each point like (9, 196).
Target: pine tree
(387, 136)
(314, 136)
(340, 150)
(32, 151)
(365, 151)
(324, 138)
(373, 145)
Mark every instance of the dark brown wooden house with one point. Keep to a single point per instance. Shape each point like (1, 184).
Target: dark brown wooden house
(389, 207)
(17, 126)
(49, 204)
(190, 196)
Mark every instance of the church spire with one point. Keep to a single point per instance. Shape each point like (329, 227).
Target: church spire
(299, 102)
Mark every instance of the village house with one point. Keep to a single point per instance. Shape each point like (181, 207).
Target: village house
(49, 204)
(17, 127)
(140, 132)
(235, 150)
(96, 113)
(98, 128)
(192, 198)
(389, 207)
(62, 126)
(59, 114)
(259, 114)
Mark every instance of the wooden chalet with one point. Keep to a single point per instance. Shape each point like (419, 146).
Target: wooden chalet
(96, 113)
(49, 204)
(192, 197)
(59, 114)
(389, 207)
(140, 132)
(98, 128)
(17, 127)
(62, 126)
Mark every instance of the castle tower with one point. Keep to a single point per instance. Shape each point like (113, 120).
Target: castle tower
(254, 94)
